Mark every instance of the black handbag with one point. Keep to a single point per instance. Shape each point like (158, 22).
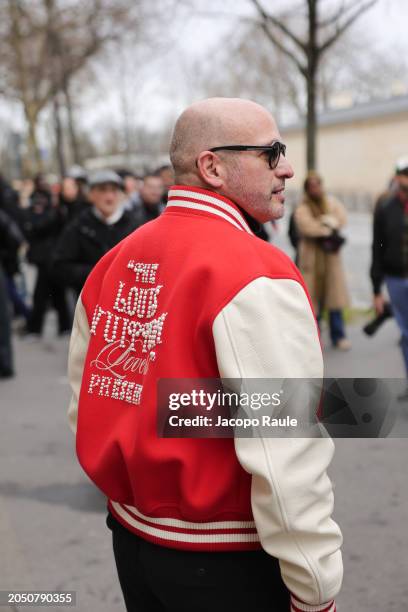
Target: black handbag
(332, 243)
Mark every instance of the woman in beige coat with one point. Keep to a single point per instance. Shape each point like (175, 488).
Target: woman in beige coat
(317, 216)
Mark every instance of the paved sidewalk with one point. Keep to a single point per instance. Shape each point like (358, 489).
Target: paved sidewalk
(51, 518)
(371, 357)
(52, 530)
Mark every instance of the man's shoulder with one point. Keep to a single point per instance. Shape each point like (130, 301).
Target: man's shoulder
(238, 257)
(257, 248)
(218, 243)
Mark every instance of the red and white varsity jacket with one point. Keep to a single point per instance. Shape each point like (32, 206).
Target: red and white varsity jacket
(194, 294)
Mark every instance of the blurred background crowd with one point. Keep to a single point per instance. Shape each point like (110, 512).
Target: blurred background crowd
(90, 89)
(61, 230)
(53, 233)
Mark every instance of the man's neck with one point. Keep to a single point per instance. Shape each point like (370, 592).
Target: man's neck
(254, 225)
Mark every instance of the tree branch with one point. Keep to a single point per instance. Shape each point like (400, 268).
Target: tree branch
(336, 16)
(280, 25)
(341, 29)
(284, 49)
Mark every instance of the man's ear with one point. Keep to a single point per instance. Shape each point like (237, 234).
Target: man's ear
(210, 169)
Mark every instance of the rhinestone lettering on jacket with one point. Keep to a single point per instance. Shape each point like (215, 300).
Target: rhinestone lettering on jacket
(129, 337)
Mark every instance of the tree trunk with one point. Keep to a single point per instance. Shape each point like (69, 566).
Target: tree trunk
(279, 34)
(311, 78)
(76, 155)
(59, 140)
(34, 161)
(311, 122)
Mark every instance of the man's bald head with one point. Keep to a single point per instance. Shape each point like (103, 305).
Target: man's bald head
(245, 177)
(214, 122)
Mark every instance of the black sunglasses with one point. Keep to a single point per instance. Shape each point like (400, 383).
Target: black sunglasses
(273, 151)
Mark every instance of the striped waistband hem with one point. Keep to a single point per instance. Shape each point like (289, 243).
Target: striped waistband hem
(184, 534)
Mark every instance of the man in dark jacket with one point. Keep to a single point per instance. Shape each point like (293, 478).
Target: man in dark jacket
(42, 225)
(390, 255)
(9, 200)
(93, 232)
(10, 240)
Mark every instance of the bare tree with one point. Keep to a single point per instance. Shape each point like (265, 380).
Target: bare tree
(45, 43)
(352, 71)
(247, 68)
(16, 77)
(306, 52)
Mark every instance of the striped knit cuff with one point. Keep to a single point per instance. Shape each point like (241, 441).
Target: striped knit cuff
(298, 606)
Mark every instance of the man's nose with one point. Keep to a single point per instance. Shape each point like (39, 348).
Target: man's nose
(284, 169)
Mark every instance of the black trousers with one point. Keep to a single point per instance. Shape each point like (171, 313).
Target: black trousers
(159, 579)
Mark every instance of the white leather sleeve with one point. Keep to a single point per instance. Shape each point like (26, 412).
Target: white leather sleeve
(78, 348)
(268, 331)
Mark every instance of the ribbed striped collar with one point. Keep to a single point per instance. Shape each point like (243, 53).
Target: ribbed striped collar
(195, 198)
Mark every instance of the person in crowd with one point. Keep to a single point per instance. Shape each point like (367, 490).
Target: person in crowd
(391, 190)
(25, 192)
(166, 173)
(319, 217)
(132, 184)
(94, 232)
(80, 176)
(16, 291)
(390, 256)
(9, 203)
(42, 224)
(10, 240)
(213, 523)
(9, 200)
(151, 199)
(293, 235)
(70, 201)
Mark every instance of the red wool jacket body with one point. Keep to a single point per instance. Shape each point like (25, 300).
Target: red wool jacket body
(194, 294)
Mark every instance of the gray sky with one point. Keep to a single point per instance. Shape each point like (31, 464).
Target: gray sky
(166, 83)
(386, 25)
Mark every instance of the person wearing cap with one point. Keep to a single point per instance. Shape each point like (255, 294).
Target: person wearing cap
(93, 232)
(390, 255)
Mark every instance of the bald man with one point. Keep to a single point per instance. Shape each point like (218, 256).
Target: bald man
(216, 523)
